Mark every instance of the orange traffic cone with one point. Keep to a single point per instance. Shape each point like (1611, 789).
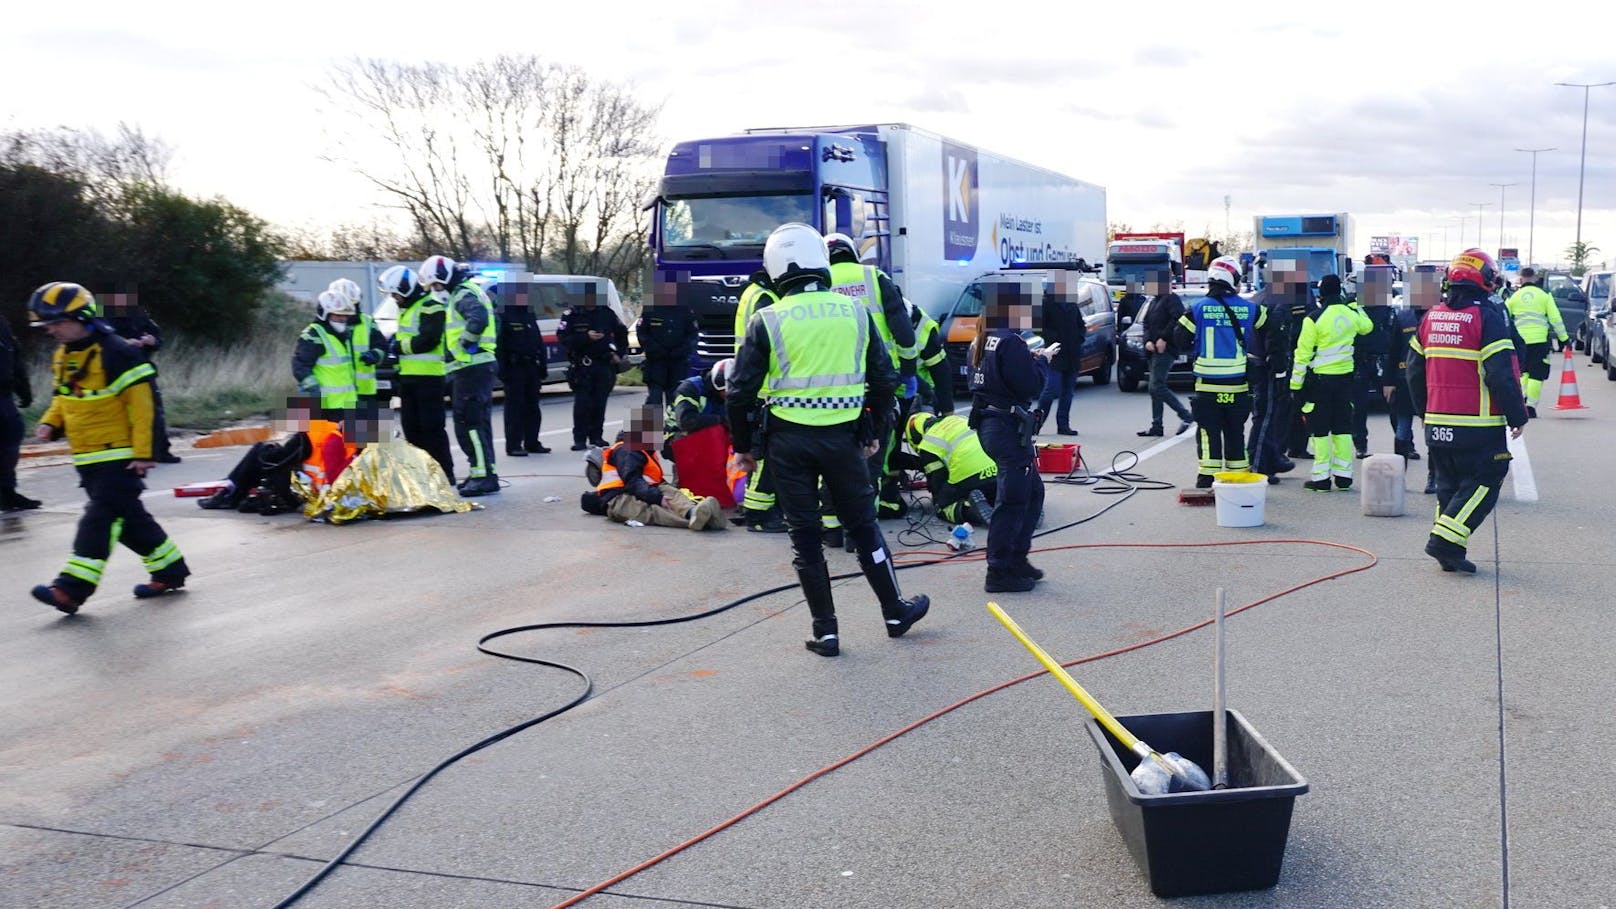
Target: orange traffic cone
(1570, 399)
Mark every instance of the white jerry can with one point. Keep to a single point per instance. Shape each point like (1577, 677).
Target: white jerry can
(1383, 493)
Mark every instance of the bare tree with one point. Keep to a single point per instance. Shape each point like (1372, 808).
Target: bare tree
(511, 157)
(106, 165)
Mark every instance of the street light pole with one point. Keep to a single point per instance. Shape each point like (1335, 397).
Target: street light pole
(1531, 219)
(1501, 188)
(1587, 87)
(1479, 206)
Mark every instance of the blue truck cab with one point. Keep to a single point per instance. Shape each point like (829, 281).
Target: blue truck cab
(719, 199)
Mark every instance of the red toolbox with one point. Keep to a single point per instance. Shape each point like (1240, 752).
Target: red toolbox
(1059, 457)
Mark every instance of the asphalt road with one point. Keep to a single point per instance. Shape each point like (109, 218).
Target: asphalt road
(213, 748)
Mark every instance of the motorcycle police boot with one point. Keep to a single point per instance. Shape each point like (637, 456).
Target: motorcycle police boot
(900, 614)
(815, 581)
(1451, 556)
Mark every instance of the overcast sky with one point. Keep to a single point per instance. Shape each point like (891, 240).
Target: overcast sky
(1402, 118)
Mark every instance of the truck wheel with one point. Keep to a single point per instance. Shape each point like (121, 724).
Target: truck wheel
(1102, 376)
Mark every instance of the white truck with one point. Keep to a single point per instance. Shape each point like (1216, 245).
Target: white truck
(931, 212)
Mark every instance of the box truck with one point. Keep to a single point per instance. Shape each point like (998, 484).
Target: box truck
(932, 212)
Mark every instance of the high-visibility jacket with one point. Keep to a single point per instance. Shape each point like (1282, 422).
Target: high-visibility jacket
(924, 333)
(609, 478)
(753, 298)
(102, 400)
(863, 283)
(1456, 344)
(950, 442)
(1535, 314)
(329, 454)
(1325, 345)
(1220, 344)
(338, 368)
(413, 362)
(454, 330)
(817, 346)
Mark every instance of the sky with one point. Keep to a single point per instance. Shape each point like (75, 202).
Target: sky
(1402, 119)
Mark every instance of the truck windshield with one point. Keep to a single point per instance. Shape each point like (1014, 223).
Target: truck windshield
(1117, 273)
(728, 227)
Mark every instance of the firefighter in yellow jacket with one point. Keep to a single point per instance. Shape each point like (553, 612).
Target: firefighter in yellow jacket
(103, 405)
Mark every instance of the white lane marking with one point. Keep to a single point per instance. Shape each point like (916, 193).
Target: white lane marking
(1521, 470)
(1165, 444)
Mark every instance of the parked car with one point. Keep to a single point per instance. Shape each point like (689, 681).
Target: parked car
(1596, 287)
(1099, 316)
(1606, 331)
(1573, 304)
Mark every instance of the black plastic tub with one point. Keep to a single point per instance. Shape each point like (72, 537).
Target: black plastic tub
(1191, 843)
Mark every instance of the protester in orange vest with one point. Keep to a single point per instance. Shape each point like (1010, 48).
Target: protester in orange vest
(633, 484)
(260, 482)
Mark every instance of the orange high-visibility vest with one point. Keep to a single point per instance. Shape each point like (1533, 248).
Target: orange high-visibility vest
(329, 453)
(608, 472)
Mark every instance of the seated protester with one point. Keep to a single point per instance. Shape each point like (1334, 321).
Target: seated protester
(697, 403)
(262, 481)
(633, 486)
(932, 366)
(962, 478)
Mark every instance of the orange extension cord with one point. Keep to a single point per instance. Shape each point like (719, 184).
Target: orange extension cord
(975, 556)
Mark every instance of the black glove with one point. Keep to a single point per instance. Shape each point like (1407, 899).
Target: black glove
(25, 398)
(371, 357)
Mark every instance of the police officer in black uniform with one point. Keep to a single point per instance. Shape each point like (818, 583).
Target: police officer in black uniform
(594, 339)
(14, 392)
(1006, 377)
(1370, 351)
(523, 367)
(667, 334)
(1273, 356)
(130, 321)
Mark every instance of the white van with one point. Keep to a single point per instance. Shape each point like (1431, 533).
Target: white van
(548, 296)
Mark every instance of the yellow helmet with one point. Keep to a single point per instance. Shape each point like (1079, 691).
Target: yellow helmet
(915, 431)
(60, 301)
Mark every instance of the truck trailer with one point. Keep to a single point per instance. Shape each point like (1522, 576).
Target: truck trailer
(932, 212)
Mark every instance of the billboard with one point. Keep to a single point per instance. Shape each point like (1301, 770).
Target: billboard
(1396, 245)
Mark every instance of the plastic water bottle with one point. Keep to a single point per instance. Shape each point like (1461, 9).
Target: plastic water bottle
(961, 538)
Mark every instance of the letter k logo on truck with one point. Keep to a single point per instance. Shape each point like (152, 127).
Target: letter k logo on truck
(961, 214)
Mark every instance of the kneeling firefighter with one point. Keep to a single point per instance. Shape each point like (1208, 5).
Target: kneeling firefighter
(962, 479)
(811, 372)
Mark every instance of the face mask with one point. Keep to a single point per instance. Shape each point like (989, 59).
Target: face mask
(340, 328)
(442, 296)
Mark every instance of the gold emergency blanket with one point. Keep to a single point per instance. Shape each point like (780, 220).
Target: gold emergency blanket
(392, 477)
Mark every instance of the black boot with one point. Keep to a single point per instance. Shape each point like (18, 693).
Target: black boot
(16, 501)
(1154, 430)
(815, 581)
(1430, 482)
(1025, 569)
(1451, 556)
(901, 614)
(1007, 581)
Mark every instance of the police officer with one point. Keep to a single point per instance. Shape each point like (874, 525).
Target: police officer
(470, 342)
(418, 347)
(1006, 377)
(667, 334)
(872, 288)
(1462, 378)
(758, 507)
(1369, 352)
(1284, 300)
(812, 385)
(1423, 291)
(15, 392)
(594, 340)
(132, 323)
(1217, 327)
(1324, 374)
(1535, 315)
(523, 366)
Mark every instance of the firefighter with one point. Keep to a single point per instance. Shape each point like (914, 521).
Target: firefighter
(103, 405)
(594, 340)
(418, 347)
(336, 355)
(758, 508)
(697, 403)
(884, 300)
(1324, 374)
(1535, 315)
(931, 361)
(813, 387)
(1006, 378)
(1217, 328)
(470, 350)
(1463, 380)
(962, 479)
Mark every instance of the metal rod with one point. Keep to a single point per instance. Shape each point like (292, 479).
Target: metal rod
(1220, 731)
(1531, 222)
(1582, 160)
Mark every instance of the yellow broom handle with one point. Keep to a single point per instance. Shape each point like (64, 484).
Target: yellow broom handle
(1128, 740)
